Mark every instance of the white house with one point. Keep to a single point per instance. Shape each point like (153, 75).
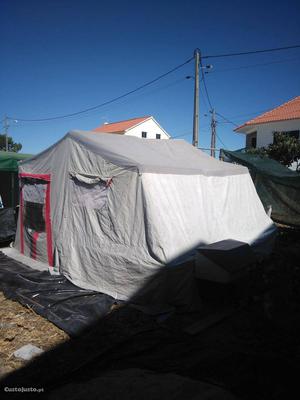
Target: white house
(142, 127)
(260, 131)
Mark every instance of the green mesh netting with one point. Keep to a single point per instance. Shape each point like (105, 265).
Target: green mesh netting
(9, 160)
(276, 185)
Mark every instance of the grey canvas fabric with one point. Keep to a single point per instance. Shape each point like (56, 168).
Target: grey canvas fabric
(168, 156)
(150, 205)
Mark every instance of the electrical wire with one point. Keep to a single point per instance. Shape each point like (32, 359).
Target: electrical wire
(251, 66)
(209, 101)
(106, 102)
(251, 52)
(226, 119)
(157, 79)
(205, 87)
(249, 114)
(182, 135)
(133, 98)
(221, 141)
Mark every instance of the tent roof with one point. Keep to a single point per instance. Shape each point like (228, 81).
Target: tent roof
(156, 156)
(9, 160)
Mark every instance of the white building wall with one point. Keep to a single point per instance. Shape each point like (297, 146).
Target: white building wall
(265, 132)
(149, 126)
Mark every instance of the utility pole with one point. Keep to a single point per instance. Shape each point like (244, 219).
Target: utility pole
(6, 126)
(196, 99)
(213, 133)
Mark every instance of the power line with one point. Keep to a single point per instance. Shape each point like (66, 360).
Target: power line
(109, 101)
(94, 112)
(155, 80)
(221, 141)
(252, 66)
(226, 119)
(210, 104)
(205, 87)
(182, 135)
(252, 52)
(249, 114)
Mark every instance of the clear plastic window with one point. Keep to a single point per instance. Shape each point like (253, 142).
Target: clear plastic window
(34, 194)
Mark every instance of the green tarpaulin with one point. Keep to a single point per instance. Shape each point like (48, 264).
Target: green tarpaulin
(9, 160)
(276, 185)
(9, 187)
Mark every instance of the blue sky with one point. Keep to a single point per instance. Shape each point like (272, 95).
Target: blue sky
(62, 56)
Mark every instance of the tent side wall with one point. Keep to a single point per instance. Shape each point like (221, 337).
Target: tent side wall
(187, 211)
(105, 243)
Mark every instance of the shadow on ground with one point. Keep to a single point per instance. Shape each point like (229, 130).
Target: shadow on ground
(254, 353)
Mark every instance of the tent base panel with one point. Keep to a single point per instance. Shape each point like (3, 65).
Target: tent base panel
(74, 309)
(67, 306)
(17, 256)
(174, 286)
(166, 286)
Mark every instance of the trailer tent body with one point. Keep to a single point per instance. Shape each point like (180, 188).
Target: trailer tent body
(109, 212)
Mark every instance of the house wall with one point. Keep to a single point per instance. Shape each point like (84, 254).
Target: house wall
(265, 132)
(148, 126)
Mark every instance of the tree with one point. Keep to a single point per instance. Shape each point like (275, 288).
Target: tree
(12, 146)
(285, 149)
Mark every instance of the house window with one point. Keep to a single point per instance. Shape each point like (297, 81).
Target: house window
(294, 134)
(251, 140)
(144, 135)
(158, 136)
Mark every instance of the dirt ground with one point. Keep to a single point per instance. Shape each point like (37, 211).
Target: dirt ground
(19, 326)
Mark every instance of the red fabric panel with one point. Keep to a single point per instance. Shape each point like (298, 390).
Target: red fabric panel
(44, 177)
(48, 226)
(34, 243)
(21, 220)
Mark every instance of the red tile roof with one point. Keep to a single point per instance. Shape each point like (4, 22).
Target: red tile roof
(288, 110)
(121, 126)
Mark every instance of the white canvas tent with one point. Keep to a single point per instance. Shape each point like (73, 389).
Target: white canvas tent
(109, 211)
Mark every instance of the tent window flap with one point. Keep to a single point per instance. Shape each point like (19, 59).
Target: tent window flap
(89, 192)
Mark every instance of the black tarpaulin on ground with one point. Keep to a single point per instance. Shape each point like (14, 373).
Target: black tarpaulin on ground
(7, 224)
(69, 307)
